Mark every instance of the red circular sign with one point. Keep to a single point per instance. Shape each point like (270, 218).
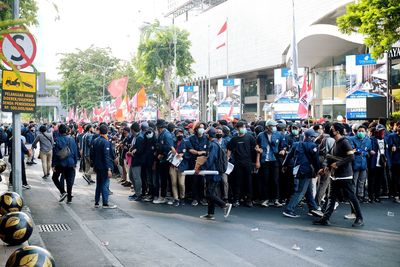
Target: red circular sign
(18, 48)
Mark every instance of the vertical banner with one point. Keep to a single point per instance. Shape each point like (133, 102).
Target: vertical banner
(229, 99)
(187, 103)
(365, 78)
(287, 91)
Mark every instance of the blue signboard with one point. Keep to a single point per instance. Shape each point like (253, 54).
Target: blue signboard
(365, 59)
(286, 116)
(229, 82)
(285, 72)
(188, 88)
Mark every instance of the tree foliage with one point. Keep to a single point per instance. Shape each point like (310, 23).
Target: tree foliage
(377, 20)
(28, 11)
(155, 56)
(82, 75)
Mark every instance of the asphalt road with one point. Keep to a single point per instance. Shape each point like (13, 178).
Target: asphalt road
(144, 234)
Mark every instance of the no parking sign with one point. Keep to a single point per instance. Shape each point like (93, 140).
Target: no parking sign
(18, 48)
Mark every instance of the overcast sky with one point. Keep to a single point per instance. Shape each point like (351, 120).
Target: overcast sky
(103, 23)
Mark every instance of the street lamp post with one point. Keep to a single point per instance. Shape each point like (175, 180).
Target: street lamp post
(104, 72)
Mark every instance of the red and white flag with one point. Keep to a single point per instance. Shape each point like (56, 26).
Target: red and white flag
(222, 36)
(118, 87)
(305, 99)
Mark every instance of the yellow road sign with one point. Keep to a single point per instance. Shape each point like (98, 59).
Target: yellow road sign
(24, 82)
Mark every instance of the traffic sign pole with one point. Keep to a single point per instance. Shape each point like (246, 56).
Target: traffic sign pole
(16, 144)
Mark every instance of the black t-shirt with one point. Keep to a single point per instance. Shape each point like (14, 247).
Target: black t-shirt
(243, 149)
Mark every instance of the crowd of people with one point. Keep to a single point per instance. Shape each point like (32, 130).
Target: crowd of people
(275, 163)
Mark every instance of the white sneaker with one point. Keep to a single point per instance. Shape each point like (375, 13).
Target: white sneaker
(27, 186)
(350, 216)
(397, 200)
(336, 205)
(159, 200)
(265, 203)
(109, 206)
(62, 197)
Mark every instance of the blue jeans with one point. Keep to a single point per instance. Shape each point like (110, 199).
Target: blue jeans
(303, 187)
(102, 185)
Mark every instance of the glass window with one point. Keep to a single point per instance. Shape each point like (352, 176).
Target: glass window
(323, 84)
(250, 88)
(339, 84)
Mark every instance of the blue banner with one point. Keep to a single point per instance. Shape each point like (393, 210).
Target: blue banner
(365, 59)
(285, 72)
(188, 88)
(229, 82)
(286, 116)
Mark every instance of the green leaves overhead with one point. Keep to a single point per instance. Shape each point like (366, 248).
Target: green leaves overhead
(377, 20)
(83, 73)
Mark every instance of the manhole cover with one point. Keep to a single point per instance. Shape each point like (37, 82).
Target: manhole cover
(58, 227)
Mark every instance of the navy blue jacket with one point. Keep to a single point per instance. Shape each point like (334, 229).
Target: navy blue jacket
(302, 153)
(393, 140)
(277, 143)
(149, 151)
(101, 154)
(61, 142)
(212, 159)
(164, 143)
(30, 137)
(182, 148)
(362, 147)
(139, 157)
(375, 147)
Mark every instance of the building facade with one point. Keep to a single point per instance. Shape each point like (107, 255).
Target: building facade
(257, 42)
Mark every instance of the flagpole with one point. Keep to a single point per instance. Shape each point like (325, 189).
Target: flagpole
(209, 75)
(227, 50)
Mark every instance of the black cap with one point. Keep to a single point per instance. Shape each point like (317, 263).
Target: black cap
(103, 129)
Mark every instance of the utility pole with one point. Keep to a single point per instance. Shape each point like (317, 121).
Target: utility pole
(16, 144)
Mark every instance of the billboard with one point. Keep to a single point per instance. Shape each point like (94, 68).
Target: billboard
(229, 99)
(286, 92)
(187, 103)
(365, 78)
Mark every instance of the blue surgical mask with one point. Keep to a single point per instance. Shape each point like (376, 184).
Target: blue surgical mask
(361, 135)
(295, 132)
(274, 129)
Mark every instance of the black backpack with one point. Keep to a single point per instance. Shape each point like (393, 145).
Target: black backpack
(222, 161)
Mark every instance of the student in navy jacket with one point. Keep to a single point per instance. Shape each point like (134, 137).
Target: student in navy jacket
(102, 157)
(394, 158)
(64, 166)
(212, 181)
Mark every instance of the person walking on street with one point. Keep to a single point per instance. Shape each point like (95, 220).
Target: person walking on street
(46, 142)
(340, 166)
(213, 181)
(87, 140)
(64, 160)
(102, 158)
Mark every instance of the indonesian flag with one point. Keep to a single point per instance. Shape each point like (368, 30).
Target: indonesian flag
(118, 87)
(222, 36)
(305, 99)
(71, 114)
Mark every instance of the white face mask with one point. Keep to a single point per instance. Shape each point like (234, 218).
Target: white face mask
(200, 131)
(150, 135)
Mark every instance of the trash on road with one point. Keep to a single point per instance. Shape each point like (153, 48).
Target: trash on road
(295, 247)
(105, 243)
(254, 229)
(390, 214)
(319, 249)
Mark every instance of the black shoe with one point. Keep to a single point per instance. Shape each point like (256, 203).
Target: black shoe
(87, 179)
(322, 221)
(92, 181)
(377, 200)
(236, 204)
(249, 204)
(358, 222)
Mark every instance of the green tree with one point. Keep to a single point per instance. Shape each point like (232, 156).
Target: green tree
(82, 74)
(377, 20)
(155, 57)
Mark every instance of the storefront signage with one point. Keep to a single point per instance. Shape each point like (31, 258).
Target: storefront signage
(394, 53)
(364, 59)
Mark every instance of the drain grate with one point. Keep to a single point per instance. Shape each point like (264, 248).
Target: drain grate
(58, 227)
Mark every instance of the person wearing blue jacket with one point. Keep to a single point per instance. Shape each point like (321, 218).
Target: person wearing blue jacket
(394, 158)
(197, 145)
(164, 145)
(177, 178)
(306, 165)
(271, 143)
(102, 157)
(65, 157)
(362, 146)
(137, 152)
(212, 181)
